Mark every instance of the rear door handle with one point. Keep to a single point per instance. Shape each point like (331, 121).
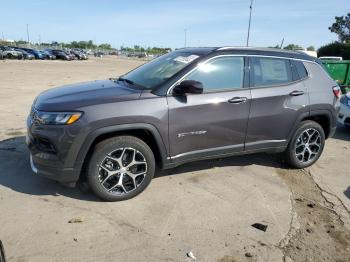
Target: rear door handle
(296, 93)
(238, 100)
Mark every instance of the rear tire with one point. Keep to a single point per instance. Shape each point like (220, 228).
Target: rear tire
(306, 145)
(120, 168)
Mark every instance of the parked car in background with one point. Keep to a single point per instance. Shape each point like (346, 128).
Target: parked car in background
(79, 55)
(25, 54)
(10, 53)
(47, 55)
(59, 54)
(70, 54)
(1, 55)
(37, 54)
(344, 113)
(190, 104)
(99, 54)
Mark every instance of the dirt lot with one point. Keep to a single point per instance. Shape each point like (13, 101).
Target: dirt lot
(205, 207)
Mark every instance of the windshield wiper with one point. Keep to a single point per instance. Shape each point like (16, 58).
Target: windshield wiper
(130, 82)
(121, 79)
(126, 80)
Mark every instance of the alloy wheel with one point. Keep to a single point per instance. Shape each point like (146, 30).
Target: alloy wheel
(122, 170)
(308, 145)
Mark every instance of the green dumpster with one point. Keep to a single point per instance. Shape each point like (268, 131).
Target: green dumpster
(340, 72)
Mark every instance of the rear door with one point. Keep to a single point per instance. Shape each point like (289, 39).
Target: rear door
(214, 122)
(278, 98)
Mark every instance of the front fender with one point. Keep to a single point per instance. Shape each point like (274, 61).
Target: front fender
(92, 136)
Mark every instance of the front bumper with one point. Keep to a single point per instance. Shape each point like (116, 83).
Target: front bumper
(51, 153)
(344, 115)
(32, 166)
(42, 166)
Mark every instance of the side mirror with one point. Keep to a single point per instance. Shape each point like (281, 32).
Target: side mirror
(188, 87)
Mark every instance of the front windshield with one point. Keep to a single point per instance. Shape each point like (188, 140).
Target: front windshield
(160, 69)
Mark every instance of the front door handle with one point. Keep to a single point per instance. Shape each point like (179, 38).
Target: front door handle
(296, 93)
(238, 100)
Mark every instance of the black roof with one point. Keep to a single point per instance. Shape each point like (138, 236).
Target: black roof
(250, 51)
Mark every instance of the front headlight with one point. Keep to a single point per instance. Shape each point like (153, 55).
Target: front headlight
(57, 118)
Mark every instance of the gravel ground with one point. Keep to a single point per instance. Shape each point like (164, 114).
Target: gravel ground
(206, 207)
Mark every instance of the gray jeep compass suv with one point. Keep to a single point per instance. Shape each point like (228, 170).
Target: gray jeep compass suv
(190, 104)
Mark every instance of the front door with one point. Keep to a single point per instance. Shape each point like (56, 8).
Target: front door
(214, 122)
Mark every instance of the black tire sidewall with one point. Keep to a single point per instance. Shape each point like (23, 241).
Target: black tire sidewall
(106, 147)
(290, 155)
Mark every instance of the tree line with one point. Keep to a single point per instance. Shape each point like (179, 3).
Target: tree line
(341, 47)
(74, 44)
(341, 27)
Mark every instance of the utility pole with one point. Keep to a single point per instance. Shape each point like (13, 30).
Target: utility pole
(250, 19)
(28, 33)
(185, 31)
(2, 34)
(282, 43)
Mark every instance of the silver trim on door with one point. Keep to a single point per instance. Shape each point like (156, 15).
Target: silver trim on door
(206, 150)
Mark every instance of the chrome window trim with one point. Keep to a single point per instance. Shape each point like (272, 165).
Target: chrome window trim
(241, 55)
(196, 67)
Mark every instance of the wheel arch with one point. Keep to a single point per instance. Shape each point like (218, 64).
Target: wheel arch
(323, 117)
(146, 132)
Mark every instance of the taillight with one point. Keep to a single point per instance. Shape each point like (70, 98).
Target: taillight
(336, 91)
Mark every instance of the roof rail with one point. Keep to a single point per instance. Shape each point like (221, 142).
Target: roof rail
(233, 47)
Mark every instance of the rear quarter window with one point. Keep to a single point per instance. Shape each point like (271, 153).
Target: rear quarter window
(300, 68)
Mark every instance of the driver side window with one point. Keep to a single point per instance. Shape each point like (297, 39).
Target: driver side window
(220, 73)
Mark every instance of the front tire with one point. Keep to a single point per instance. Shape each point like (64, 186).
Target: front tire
(306, 145)
(120, 168)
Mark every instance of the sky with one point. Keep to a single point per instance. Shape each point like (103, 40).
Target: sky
(162, 23)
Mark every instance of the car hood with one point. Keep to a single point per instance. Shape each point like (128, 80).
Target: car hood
(76, 96)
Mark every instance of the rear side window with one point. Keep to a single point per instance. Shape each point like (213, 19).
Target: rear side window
(266, 71)
(301, 70)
